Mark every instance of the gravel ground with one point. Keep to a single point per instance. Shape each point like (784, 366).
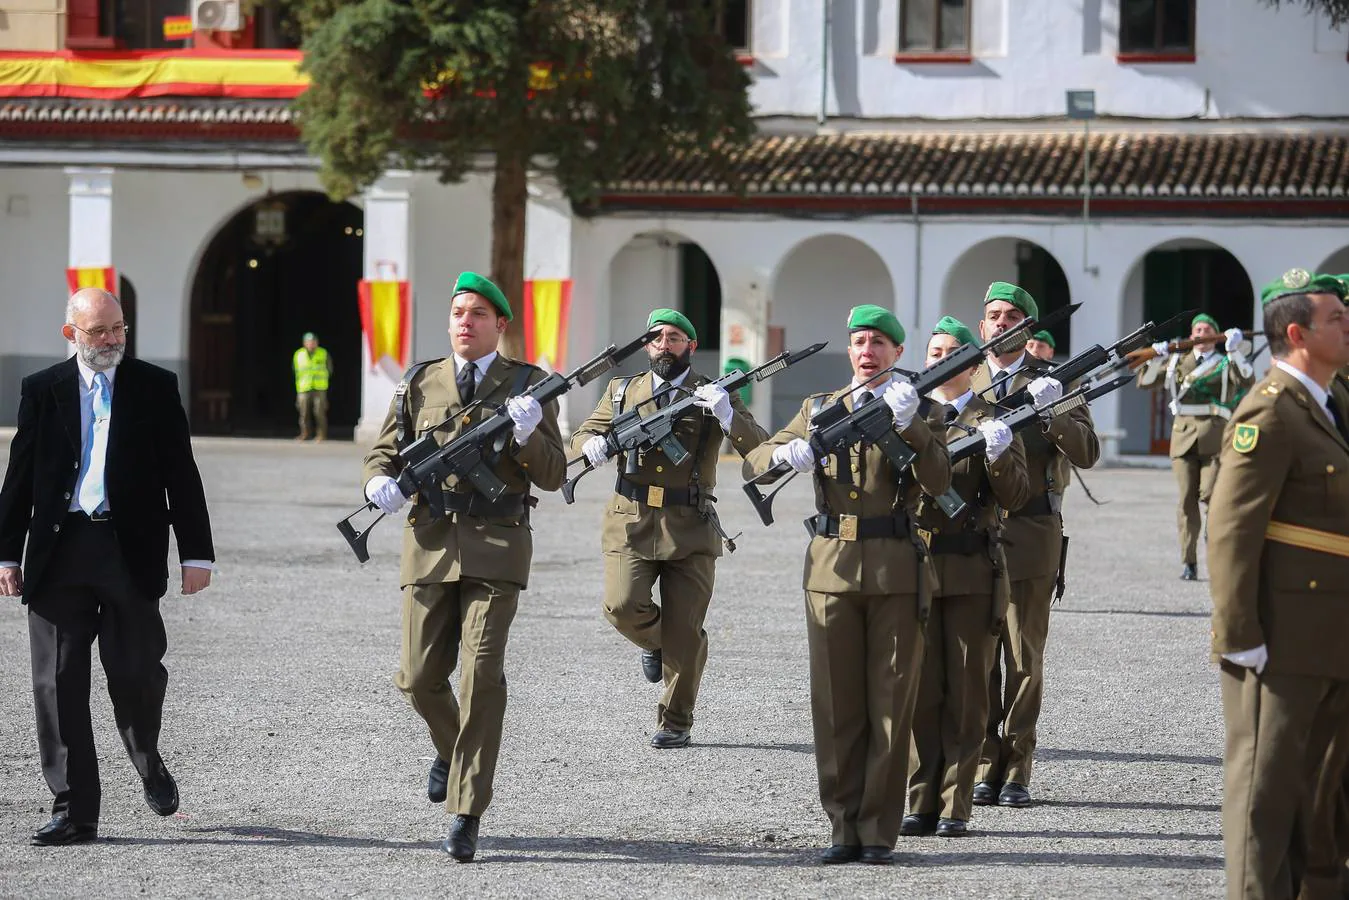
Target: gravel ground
(302, 771)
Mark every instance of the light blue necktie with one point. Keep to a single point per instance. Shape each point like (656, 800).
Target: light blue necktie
(96, 446)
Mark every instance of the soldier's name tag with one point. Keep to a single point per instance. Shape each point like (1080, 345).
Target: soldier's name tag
(1245, 437)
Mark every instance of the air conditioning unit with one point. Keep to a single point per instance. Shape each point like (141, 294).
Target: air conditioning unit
(216, 15)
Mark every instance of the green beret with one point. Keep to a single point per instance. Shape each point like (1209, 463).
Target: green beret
(1301, 281)
(673, 317)
(309, 336)
(473, 283)
(1018, 297)
(955, 328)
(1205, 317)
(1047, 338)
(878, 318)
(1344, 283)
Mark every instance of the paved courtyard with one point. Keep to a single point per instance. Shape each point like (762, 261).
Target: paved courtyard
(302, 770)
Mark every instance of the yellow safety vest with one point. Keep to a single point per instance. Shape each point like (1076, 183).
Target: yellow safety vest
(311, 371)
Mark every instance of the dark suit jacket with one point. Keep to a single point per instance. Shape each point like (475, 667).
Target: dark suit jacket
(151, 477)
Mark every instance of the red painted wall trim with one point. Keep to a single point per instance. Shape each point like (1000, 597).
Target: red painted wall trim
(927, 58)
(1145, 58)
(196, 53)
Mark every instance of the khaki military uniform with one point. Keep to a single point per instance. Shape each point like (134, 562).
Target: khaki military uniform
(968, 611)
(671, 540)
(1203, 395)
(1282, 491)
(1033, 539)
(462, 575)
(865, 602)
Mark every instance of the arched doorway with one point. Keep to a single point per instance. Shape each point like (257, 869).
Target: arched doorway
(658, 269)
(1183, 274)
(1024, 263)
(816, 284)
(286, 265)
(1337, 264)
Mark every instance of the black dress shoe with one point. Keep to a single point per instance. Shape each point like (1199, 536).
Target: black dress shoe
(462, 841)
(438, 781)
(161, 791)
(1014, 795)
(918, 824)
(952, 828)
(1189, 573)
(653, 667)
(878, 856)
(841, 853)
(670, 739)
(60, 830)
(985, 794)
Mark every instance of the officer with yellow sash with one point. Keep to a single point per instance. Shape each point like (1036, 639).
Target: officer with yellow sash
(1279, 562)
(312, 366)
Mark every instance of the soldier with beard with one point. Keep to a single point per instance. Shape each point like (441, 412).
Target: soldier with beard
(656, 526)
(100, 465)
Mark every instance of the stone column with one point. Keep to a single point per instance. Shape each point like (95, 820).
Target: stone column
(387, 248)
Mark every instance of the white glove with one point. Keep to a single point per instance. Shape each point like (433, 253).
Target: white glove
(526, 413)
(1234, 339)
(1162, 348)
(997, 438)
(1044, 391)
(1250, 659)
(383, 491)
(797, 453)
(713, 397)
(594, 450)
(902, 398)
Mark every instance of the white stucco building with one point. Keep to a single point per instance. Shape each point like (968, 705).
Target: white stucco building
(911, 151)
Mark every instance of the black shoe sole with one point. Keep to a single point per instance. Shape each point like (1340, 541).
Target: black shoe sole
(66, 842)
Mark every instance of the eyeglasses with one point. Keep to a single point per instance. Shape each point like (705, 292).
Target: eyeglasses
(669, 340)
(99, 333)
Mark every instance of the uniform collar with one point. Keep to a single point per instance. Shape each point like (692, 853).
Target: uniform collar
(482, 363)
(1319, 394)
(657, 381)
(87, 374)
(1010, 370)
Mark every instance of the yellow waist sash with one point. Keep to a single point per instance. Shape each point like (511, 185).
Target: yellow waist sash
(1308, 538)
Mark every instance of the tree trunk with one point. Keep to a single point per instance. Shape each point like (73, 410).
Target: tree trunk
(510, 197)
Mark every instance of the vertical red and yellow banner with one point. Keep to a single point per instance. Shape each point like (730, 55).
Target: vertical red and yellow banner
(104, 277)
(386, 320)
(547, 308)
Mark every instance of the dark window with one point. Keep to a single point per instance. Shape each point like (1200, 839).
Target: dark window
(1156, 26)
(139, 24)
(733, 17)
(934, 26)
(276, 29)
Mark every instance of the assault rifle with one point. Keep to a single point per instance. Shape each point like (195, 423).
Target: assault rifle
(425, 464)
(632, 433)
(834, 428)
(1094, 357)
(1025, 415)
(1144, 355)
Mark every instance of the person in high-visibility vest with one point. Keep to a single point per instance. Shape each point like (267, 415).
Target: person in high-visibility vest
(312, 368)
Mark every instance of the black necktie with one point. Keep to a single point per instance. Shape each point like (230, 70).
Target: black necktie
(663, 394)
(1337, 418)
(864, 398)
(467, 382)
(1000, 386)
(949, 415)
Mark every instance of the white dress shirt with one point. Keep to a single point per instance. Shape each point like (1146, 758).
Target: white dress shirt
(480, 366)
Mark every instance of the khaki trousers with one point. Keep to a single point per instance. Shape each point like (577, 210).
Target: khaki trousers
(465, 622)
(1328, 832)
(1279, 729)
(1194, 477)
(952, 708)
(313, 409)
(675, 627)
(1015, 696)
(865, 656)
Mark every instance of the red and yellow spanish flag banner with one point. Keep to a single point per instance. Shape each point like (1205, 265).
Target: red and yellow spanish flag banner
(92, 276)
(547, 308)
(116, 75)
(386, 319)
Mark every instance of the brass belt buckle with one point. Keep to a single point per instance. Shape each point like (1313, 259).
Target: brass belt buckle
(926, 536)
(655, 496)
(847, 528)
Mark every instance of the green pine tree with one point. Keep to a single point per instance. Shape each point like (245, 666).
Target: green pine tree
(573, 88)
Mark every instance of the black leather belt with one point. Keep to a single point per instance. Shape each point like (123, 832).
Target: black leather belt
(967, 543)
(853, 528)
(656, 496)
(471, 503)
(1042, 505)
(81, 517)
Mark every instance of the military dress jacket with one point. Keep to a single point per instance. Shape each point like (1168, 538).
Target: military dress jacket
(1033, 541)
(1284, 467)
(873, 489)
(1216, 383)
(458, 546)
(671, 531)
(987, 489)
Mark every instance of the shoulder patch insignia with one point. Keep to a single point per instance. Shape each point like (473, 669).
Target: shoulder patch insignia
(1245, 437)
